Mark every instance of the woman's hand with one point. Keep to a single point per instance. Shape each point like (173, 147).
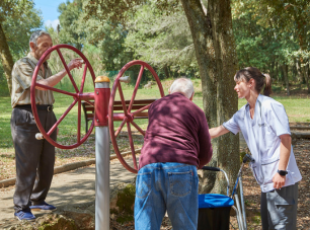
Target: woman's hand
(278, 181)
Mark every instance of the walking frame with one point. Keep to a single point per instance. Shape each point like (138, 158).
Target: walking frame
(214, 209)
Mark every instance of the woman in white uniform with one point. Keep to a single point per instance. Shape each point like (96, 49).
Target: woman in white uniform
(265, 128)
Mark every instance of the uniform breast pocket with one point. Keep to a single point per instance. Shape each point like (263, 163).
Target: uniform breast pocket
(268, 136)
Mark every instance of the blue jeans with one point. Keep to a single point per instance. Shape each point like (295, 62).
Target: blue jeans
(171, 187)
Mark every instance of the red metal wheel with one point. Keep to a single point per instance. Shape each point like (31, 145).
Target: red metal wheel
(78, 96)
(127, 117)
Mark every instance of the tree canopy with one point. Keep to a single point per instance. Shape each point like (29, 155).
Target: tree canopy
(17, 19)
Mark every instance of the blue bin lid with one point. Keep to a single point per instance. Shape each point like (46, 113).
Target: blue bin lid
(214, 201)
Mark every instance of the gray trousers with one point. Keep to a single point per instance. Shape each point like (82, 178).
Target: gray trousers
(279, 208)
(34, 158)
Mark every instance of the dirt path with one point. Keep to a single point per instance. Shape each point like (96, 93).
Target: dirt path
(74, 187)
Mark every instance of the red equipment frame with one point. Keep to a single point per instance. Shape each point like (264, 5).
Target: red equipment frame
(100, 109)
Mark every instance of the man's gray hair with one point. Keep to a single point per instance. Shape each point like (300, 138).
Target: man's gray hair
(35, 35)
(183, 85)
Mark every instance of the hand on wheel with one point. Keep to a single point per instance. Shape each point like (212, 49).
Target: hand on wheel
(75, 63)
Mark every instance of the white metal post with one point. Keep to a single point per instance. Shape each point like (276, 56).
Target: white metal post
(102, 216)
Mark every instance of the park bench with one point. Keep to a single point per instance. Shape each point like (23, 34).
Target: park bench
(117, 108)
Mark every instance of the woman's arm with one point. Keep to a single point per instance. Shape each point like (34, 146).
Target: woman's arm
(218, 131)
(285, 152)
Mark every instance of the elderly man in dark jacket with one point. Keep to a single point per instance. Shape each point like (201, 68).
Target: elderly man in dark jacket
(176, 143)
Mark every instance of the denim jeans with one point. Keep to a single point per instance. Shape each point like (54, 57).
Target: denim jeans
(171, 187)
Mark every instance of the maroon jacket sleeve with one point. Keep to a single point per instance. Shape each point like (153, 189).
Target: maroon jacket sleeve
(206, 151)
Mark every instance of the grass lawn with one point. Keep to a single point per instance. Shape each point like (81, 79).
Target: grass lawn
(297, 108)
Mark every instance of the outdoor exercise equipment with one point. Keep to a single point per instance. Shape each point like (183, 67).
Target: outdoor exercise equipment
(106, 113)
(105, 105)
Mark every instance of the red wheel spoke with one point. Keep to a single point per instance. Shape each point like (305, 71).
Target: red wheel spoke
(79, 123)
(136, 88)
(122, 98)
(55, 90)
(67, 69)
(83, 78)
(61, 118)
(138, 128)
(140, 110)
(120, 128)
(132, 146)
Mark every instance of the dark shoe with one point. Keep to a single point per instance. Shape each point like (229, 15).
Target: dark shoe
(25, 215)
(43, 207)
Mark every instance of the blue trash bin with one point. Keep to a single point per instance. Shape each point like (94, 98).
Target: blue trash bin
(214, 211)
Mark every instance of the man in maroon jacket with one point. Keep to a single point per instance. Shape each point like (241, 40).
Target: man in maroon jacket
(176, 143)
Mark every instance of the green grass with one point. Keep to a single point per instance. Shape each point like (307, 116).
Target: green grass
(6, 143)
(297, 108)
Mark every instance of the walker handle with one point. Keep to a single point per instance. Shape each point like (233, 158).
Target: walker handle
(216, 169)
(211, 168)
(247, 158)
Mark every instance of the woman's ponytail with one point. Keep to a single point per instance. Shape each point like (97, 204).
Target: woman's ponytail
(267, 89)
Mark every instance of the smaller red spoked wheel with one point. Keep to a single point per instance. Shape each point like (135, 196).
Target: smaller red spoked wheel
(127, 117)
(78, 96)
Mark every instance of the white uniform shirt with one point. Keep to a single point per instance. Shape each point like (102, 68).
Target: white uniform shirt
(262, 137)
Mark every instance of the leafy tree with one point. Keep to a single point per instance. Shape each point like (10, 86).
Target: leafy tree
(16, 19)
(18, 31)
(283, 30)
(211, 29)
(106, 35)
(69, 15)
(162, 40)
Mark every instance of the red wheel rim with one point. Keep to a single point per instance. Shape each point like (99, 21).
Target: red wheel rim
(128, 115)
(78, 96)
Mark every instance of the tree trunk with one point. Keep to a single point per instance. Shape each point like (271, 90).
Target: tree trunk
(302, 38)
(285, 79)
(300, 76)
(166, 71)
(6, 59)
(214, 45)
(308, 78)
(278, 72)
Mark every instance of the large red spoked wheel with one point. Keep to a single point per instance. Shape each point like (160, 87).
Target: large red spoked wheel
(127, 116)
(78, 96)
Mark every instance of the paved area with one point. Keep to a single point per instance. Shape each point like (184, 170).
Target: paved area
(74, 187)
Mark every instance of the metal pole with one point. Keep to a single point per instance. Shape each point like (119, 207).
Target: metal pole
(242, 203)
(239, 211)
(102, 95)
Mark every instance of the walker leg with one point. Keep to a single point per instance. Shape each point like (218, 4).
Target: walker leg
(242, 204)
(238, 218)
(239, 212)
